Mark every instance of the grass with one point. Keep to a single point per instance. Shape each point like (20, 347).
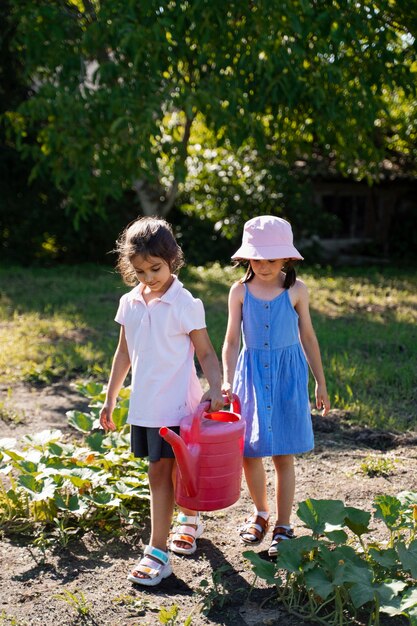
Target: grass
(58, 323)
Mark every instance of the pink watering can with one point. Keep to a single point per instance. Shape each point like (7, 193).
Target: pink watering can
(209, 456)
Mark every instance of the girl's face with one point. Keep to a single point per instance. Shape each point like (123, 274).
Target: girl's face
(267, 269)
(153, 272)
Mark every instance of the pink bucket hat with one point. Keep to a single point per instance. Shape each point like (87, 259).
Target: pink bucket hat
(267, 237)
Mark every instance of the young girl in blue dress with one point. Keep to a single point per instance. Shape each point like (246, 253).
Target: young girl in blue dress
(270, 308)
(161, 328)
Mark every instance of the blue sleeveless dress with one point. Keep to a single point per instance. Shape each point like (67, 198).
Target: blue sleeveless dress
(271, 379)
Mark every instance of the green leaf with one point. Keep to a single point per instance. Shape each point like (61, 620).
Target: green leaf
(408, 556)
(292, 554)
(38, 489)
(409, 598)
(385, 557)
(390, 589)
(81, 421)
(15, 456)
(412, 615)
(357, 520)
(95, 441)
(388, 508)
(337, 536)
(407, 497)
(7, 443)
(362, 589)
(73, 504)
(43, 438)
(29, 467)
(103, 499)
(120, 417)
(317, 580)
(264, 569)
(316, 514)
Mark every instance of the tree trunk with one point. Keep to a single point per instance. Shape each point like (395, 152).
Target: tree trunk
(153, 199)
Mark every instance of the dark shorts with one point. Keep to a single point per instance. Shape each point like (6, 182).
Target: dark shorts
(147, 442)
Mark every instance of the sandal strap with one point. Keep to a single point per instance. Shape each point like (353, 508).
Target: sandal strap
(280, 533)
(185, 533)
(255, 525)
(148, 567)
(152, 562)
(158, 554)
(188, 519)
(185, 538)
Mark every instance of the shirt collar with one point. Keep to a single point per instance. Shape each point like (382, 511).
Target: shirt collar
(168, 297)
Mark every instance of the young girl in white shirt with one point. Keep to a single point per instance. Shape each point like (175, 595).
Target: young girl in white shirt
(161, 327)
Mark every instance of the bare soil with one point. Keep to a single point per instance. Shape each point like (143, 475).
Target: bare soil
(97, 565)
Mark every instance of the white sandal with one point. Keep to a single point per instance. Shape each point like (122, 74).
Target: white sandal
(189, 530)
(154, 564)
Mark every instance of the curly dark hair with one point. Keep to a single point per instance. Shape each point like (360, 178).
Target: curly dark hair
(147, 236)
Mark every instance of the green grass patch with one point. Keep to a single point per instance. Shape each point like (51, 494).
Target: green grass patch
(59, 323)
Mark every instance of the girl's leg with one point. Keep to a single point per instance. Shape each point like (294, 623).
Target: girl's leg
(256, 481)
(256, 526)
(162, 501)
(178, 546)
(284, 487)
(162, 507)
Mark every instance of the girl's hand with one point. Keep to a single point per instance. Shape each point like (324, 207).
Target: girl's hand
(322, 399)
(216, 399)
(227, 391)
(106, 420)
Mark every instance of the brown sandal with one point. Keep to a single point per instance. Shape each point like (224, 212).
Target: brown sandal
(279, 534)
(256, 527)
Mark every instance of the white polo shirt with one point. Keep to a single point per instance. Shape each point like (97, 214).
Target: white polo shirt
(165, 386)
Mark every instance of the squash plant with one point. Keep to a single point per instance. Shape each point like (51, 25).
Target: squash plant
(334, 576)
(49, 481)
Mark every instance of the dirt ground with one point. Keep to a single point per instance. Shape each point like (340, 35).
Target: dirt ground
(31, 591)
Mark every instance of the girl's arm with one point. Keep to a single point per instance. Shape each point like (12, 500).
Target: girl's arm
(310, 345)
(119, 370)
(231, 343)
(210, 365)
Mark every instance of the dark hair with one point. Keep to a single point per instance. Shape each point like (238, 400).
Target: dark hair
(147, 236)
(288, 269)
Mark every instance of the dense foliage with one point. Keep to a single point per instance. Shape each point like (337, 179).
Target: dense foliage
(122, 108)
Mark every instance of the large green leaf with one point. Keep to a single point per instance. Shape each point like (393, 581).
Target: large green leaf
(408, 556)
(317, 514)
(387, 557)
(264, 569)
(293, 554)
(120, 417)
(81, 421)
(388, 508)
(103, 499)
(73, 504)
(357, 520)
(37, 489)
(43, 438)
(317, 580)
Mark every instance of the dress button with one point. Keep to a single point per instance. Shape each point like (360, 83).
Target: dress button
(266, 344)
(267, 306)
(266, 386)
(266, 325)
(266, 365)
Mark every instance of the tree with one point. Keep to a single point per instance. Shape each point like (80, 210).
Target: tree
(120, 88)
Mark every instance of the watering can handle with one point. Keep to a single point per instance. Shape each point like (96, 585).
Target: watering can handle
(204, 407)
(235, 403)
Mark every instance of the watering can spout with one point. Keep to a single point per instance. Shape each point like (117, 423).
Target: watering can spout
(186, 460)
